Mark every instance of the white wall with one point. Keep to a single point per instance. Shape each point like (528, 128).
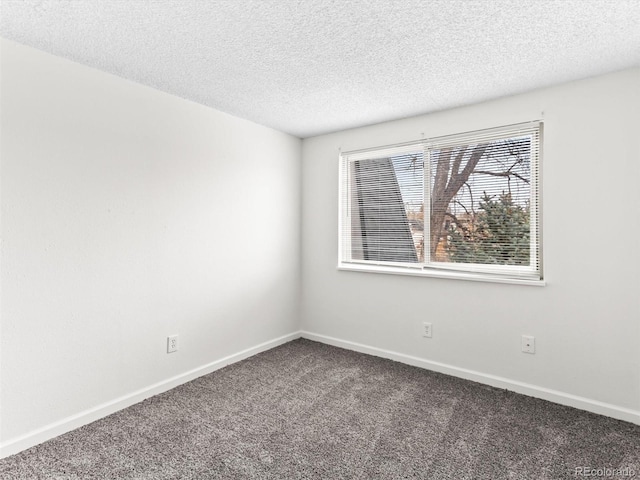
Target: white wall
(586, 320)
(128, 215)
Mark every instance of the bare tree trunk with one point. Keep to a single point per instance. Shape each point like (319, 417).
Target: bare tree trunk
(447, 182)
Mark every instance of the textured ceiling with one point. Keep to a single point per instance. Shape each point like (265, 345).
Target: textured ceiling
(308, 67)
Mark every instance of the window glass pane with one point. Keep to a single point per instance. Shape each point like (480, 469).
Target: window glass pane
(480, 202)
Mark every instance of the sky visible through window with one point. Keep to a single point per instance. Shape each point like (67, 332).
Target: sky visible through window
(409, 170)
(502, 157)
(512, 154)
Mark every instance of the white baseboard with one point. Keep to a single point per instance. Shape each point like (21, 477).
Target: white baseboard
(85, 417)
(582, 403)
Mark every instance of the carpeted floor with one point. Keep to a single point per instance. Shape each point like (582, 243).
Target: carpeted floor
(311, 411)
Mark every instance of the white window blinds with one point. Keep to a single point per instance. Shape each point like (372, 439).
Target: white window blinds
(467, 202)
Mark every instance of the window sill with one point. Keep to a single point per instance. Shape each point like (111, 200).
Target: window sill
(475, 277)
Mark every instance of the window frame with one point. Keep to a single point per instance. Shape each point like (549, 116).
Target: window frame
(524, 275)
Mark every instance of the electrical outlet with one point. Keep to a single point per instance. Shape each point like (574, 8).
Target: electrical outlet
(528, 344)
(172, 344)
(427, 329)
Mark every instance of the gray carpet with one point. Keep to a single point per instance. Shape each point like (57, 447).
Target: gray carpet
(307, 410)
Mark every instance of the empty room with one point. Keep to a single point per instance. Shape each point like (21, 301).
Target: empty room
(319, 239)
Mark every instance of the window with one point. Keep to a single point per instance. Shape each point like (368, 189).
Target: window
(463, 205)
